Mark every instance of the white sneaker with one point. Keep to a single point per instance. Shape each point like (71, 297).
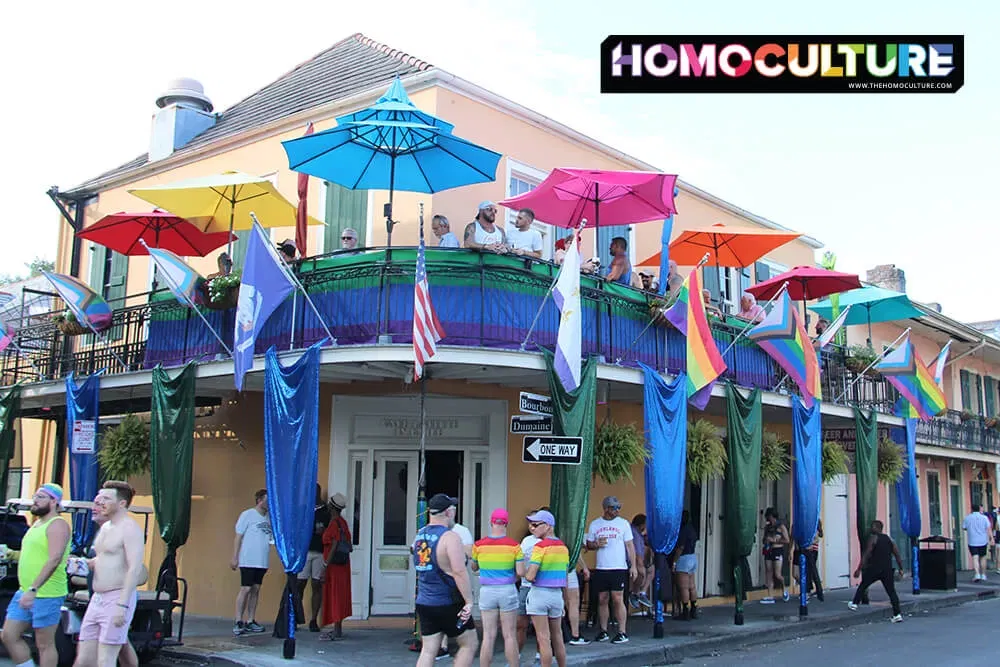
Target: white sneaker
(767, 601)
(896, 619)
(852, 606)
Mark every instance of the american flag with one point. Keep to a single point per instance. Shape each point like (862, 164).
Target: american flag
(427, 329)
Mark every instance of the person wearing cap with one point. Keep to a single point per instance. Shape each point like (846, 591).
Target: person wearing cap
(442, 229)
(547, 573)
(42, 579)
(611, 537)
(337, 542)
(499, 561)
(483, 232)
(647, 282)
(286, 250)
(444, 592)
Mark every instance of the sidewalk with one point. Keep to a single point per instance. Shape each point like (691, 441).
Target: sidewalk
(712, 632)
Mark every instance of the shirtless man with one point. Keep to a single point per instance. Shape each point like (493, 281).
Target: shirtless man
(117, 569)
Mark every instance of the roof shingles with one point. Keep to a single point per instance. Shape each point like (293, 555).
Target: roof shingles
(350, 66)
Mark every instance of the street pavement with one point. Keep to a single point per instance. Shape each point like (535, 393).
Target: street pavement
(954, 636)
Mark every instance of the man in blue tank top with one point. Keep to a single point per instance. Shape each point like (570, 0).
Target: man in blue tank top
(444, 592)
(620, 270)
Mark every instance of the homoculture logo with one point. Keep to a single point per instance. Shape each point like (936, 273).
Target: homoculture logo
(782, 64)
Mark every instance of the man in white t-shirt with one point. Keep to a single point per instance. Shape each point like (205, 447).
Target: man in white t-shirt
(523, 240)
(978, 528)
(251, 554)
(611, 537)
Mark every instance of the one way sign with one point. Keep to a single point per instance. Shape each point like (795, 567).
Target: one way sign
(552, 449)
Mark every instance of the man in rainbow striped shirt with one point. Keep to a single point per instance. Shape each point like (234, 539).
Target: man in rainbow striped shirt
(547, 574)
(499, 561)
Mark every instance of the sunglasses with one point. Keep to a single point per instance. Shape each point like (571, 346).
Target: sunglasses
(534, 525)
(346, 238)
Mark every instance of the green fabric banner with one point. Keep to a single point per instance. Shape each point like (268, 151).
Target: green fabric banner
(171, 437)
(10, 407)
(573, 414)
(744, 428)
(866, 471)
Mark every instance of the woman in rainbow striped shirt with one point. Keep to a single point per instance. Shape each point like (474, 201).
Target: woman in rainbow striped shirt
(499, 561)
(547, 574)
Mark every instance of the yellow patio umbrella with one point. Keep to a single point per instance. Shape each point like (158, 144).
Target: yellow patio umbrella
(224, 202)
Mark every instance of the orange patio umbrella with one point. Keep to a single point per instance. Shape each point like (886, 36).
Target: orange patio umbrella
(726, 245)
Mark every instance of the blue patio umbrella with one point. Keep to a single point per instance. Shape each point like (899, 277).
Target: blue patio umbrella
(870, 304)
(392, 146)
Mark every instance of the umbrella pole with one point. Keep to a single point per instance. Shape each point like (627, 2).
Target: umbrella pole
(232, 221)
(388, 250)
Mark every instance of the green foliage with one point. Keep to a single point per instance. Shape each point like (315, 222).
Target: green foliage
(775, 457)
(891, 463)
(706, 455)
(219, 286)
(35, 268)
(834, 461)
(125, 449)
(617, 448)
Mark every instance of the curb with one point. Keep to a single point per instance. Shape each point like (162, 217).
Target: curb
(194, 656)
(672, 655)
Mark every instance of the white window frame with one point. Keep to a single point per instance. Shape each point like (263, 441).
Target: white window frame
(529, 174)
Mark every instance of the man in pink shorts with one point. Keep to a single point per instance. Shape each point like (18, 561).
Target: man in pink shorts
(117, 568)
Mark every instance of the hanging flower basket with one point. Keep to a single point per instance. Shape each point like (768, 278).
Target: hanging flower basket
(67, 323)
(657, 308)
(617, 449)
(991, 422)
(222, 292)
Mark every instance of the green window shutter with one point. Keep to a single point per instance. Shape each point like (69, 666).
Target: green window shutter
(117, 289)
(990, 392)
(240, 249)
(98, 256)
(966, 383)
(978, 389)
(710, 281)
(344, 208)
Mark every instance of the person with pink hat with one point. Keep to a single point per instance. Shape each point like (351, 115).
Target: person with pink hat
(499, 561)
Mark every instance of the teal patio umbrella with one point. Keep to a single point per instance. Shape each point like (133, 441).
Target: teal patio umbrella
(870, 304)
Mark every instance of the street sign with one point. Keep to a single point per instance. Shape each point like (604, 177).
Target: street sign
(530, 424)
(535, 403)
(552, 449)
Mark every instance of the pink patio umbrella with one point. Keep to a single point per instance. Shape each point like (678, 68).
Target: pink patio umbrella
(601, 197)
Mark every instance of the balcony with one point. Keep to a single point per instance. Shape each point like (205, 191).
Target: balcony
(483, 301)
(956, 430)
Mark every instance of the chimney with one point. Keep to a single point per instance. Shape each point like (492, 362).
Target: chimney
(887, 276)
(184, 113)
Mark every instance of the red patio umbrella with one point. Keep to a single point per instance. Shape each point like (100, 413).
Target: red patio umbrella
(806, 283)
(121, 232)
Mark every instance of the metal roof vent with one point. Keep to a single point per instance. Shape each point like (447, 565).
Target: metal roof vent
(185, 92)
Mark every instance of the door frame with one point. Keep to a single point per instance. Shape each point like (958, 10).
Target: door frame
(380, 456)
(480, 430)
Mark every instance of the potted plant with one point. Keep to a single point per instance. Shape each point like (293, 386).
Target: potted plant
(890, 461)
(223, 291)
(125, 449)
(617, 449)
(706, 454)
(775, 457)
(990, 422)
(859, 358)
(657, 309)
(68, 324)
(834, 461)
(966, 415)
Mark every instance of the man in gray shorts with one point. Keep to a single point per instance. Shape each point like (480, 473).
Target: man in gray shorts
(499, 561)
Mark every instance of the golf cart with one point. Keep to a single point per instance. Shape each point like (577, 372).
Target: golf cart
(151, 627)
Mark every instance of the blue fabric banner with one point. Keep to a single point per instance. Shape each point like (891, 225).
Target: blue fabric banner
(82, 405)
(807, 490)
(665, 234)
(907, 490)
(665, 414)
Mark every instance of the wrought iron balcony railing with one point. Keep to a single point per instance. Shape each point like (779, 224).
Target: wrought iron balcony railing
(960, 431)
(366, 298)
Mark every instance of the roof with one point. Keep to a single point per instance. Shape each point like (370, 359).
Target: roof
(350, 66)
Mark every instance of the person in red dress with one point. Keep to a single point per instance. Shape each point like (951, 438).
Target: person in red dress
(337, 603)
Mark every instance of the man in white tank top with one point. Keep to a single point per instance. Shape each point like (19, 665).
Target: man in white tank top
(483, 233)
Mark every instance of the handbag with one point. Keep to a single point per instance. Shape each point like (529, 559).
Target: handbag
(340, 552)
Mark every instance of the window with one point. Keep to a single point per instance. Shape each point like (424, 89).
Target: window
(972, 393)
(344, 208)
(521, 179)
(990, 396)
(934, 501)
(17, 482)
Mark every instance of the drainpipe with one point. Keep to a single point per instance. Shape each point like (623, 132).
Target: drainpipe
(76, 223)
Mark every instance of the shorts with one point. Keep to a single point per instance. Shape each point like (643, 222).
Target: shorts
(776, 554)
(605, 581)
(499, 598)
(522, 600)
(98, 623)
(44, 612)
(443, 619)
(315, 567)
(572, 580)
(687, 564)
(545, 602)
(978, 551)
(252, 576)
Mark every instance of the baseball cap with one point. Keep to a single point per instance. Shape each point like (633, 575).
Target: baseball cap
(440, 502)
(612, 502)
(542, 516)
(500, 515)
(486, 204)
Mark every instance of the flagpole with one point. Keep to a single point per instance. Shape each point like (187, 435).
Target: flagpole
(294, 280)
(175, 288)
(663, 310)
(750, 325)
(555, 281)
(872, 364)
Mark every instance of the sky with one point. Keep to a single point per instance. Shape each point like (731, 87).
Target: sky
(903, 179)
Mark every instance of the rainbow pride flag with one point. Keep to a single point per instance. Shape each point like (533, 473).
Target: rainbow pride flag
(914, 381)
(782, 336)
(704, 363)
